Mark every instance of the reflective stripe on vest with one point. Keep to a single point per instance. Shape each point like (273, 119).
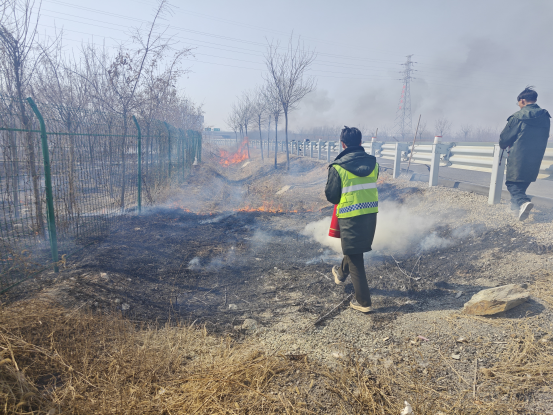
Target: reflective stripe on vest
(359, 187)
(359, 194)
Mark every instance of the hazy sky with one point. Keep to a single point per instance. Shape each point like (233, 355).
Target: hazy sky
(473, 57)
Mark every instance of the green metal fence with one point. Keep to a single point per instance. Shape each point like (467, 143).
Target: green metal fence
(67, 174)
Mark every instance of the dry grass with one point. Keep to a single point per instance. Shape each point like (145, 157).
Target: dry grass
(543, 286)
(57, 361)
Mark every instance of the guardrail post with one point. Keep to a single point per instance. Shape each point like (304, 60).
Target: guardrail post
(328, 151)
(397, 162)
(139, 149)
(374, 146)
(311, 149)
(372, 149)
(498, 171)
(434, 163)
(319, 150)
(50, 212)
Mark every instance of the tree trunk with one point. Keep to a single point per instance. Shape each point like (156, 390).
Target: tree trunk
(147, 140)
(247, 142)
(110, 161)
(286, 133)
(35, 180)
(276, 140)
(268, 138)
(72, 192)
(260, 139)
(14, 163)
(123, 162)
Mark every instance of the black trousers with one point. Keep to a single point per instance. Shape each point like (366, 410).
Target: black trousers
(518, 193)
(355, 267)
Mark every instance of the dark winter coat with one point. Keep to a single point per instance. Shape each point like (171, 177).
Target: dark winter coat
(356, 233)
(526, 132)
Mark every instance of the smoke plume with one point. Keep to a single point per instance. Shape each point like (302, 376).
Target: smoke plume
(399, 230)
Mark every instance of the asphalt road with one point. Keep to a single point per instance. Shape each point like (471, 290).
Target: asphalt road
(542, 188)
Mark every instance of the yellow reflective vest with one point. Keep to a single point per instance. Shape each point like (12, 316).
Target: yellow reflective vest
(359, 194)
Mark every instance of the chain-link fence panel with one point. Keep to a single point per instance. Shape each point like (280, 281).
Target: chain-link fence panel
(67, 174)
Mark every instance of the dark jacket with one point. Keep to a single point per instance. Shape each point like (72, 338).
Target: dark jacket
(357, 233)
(526, 132)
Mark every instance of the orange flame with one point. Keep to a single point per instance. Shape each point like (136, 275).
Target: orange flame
(266, 207)
(238, 156)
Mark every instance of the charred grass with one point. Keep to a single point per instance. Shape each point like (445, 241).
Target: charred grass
(54, 360)
(177, 350)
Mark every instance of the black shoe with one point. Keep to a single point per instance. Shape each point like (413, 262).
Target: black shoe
(337, 279)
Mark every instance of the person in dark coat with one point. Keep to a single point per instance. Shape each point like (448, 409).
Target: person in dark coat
(526, 134)
(356, 232)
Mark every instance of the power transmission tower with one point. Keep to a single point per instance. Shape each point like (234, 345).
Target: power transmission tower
(403, 125)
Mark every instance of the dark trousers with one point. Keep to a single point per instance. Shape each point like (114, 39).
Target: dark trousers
(518, 193)
(355, 267)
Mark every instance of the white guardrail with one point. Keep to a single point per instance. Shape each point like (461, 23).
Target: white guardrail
(484, 157)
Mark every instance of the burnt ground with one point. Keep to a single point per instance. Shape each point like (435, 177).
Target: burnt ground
(219, 266)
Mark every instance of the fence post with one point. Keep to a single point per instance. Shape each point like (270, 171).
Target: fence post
(298, 148)
(435, 162)
(498, 171)
(328, 151)
(139, 164)
(185, 151)
(50, 213)
(199, 147)
(319, 150)
(311, 149)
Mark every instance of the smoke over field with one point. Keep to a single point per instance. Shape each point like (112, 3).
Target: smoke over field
(399, 230)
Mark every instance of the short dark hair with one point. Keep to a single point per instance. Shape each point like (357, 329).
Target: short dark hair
(528, 94)
(351, 136)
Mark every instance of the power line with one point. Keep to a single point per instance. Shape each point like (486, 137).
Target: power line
(256, 53)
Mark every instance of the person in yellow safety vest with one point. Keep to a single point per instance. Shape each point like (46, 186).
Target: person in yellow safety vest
(351, 185)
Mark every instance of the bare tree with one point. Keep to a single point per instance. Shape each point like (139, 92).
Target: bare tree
(269, 118)
(274, 108)
(466, 130)
(20, 57)
(422, 130)
(259, 111)
(245, 109)
(442, 126)
(287, 76)
(68, 95)
(233, 123)
(116, 83)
